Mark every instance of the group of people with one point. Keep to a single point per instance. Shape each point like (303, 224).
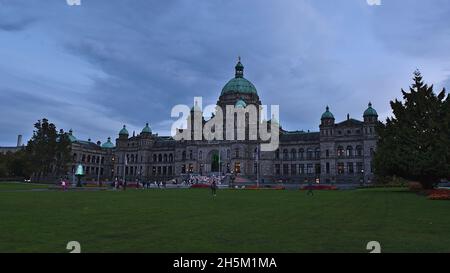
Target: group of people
(65, 183)
(122, 184)
(192, 180)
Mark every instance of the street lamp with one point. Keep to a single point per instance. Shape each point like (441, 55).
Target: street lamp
(79, 174)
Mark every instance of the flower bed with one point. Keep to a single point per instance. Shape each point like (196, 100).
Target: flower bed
(439, 194)
(319, 188)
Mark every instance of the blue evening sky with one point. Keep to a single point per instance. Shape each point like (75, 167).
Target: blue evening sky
(103, 64)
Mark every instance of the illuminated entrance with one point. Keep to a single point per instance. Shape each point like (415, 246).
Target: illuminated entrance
(215, 164)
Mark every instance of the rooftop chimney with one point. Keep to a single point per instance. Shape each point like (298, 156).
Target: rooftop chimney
(19, 140)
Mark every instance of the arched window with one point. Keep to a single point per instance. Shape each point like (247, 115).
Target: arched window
(159, 157)
(228, 154)
(154, 158)
(317, 153)
(301, 154)
(277, 154)
(285, 154)
(165, 157)
(359, 151)
(349, 151)
(236, 152)
(309, 154)
(340, 151)
(170, 157)
(200, 155)
(183, 155)
(294, 154)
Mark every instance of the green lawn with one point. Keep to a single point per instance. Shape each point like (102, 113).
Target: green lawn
(236, 221)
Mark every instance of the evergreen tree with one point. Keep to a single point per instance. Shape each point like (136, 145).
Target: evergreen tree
(414, 143)
(48, 152)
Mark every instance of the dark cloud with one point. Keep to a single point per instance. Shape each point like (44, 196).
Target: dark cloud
(17, 25)
(107, 63)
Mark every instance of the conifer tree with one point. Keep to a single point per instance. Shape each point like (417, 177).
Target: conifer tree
(414, 143)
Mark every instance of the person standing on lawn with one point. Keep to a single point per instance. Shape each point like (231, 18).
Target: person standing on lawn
(310, 188)
(213, 188)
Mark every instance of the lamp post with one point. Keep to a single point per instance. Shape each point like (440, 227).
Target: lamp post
(79, 174)
(362, 177)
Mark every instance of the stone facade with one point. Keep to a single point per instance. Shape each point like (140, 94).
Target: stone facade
(338, 153)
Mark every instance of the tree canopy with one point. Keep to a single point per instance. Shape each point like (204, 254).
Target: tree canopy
(415, 142)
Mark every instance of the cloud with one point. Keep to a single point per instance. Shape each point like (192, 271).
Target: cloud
(100, 65)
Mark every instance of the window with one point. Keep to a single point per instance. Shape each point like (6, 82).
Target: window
(255, 168)
(200, 155)
(277, 154)
(154, 158)
(301, 169)
(159, 157)
(328, 168)
(277, 169)
(349, 151)
(294, 154)
(285, 169)
(285, 154)
(317, 153)
(183, 155)
(170, 157)
(340, 151)
(350, 169)
(236, 152)
(359, 151)
(183, 168)
(340, 168)
(309, 154)
(309, 168)
(237, 167)
(191, 156)
(327, 153)
(293, 169)
(301, 154)
(317, 168)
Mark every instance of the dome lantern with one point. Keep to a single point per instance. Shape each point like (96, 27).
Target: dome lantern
(239, 84)
(124, 131)
(147, 129)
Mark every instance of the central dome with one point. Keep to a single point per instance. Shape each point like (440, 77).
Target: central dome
(239, 84)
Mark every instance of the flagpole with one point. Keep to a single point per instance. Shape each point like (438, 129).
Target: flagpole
(124, 164)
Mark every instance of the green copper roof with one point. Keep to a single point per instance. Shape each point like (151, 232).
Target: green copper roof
(327, 114)
(370, 112)
(80, 171)
(124, 131)
(147, 129)
(71, 137)
(239, 84)
(240, 104)
(108, 144)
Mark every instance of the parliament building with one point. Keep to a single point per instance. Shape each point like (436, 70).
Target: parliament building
(339, 152)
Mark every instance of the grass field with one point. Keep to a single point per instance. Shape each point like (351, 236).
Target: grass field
(235, 221)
